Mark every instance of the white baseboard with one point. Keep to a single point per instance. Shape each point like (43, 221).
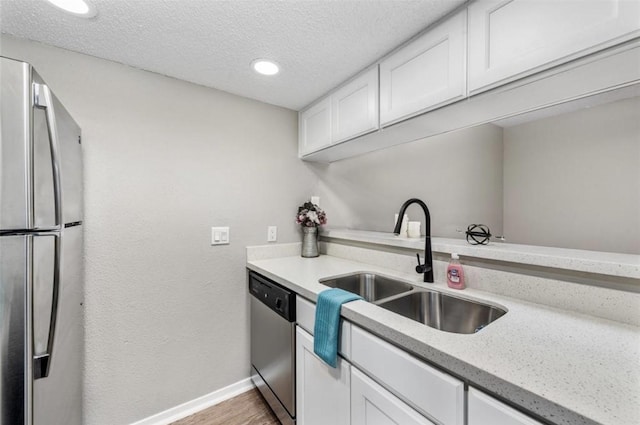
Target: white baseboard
(190, 407)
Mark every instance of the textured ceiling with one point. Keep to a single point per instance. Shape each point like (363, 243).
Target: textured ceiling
(318, 44)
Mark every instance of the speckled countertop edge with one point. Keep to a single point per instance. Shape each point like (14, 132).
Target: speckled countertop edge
(604, 263)
(539, 358)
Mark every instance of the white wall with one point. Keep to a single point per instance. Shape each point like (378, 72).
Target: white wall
(166, 313)
(458, 175)
(573, 180)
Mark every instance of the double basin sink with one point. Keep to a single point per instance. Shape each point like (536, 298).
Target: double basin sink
(435, 309)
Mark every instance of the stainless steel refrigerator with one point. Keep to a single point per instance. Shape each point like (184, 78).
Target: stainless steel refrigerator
(41, 273)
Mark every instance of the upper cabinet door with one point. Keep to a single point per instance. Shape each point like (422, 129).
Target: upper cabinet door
(427, 73)
(354, 107)
(514, 38)
(315, 127)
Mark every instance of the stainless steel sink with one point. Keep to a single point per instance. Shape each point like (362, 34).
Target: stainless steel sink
(444, 312)
(370, 286)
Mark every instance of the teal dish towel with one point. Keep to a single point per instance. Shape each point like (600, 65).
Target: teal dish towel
(326, 331)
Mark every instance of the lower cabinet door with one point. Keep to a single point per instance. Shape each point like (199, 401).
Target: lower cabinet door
(484, 409)
(322, 392)
(373, 405)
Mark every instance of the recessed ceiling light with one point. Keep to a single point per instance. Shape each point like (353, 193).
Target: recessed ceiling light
(265, 67)
(76, 7)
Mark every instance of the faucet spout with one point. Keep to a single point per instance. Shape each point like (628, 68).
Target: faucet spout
(427, 267)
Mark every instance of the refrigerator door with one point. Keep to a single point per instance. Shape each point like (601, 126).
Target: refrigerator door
(14, 381)
(29, 155)
(57, 397)
(15, 130)
(41, 319)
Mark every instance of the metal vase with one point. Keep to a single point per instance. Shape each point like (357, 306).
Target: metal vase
(310, 242)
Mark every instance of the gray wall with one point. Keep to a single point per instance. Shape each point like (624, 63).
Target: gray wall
(569, 181)
(573, 180)
(458, 175)
(166, 313)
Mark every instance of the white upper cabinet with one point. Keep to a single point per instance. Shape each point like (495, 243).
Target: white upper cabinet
(314, 127)
(514, 38)
(428, 72)
(575, 48)
(354, 107)
(484, 410)
(350, 111)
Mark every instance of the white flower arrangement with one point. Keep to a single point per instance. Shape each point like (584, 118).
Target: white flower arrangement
(311, 215)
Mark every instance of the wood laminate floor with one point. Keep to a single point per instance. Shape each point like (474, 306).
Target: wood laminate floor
(246, 409)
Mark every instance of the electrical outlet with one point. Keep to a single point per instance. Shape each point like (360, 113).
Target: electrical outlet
(220, 235)
(315, 200)
(272, 233)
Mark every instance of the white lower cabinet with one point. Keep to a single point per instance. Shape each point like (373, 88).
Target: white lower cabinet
(484, 409)
(406, 391)
(433, 393)
(322, 392)
(373, 405)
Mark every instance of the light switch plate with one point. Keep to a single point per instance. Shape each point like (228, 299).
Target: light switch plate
(315, 200)
(220, 235)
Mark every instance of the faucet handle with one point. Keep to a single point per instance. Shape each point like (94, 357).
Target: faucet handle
(421, 268)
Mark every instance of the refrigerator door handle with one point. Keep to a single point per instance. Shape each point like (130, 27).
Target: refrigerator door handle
(42, 361)
(42, 99)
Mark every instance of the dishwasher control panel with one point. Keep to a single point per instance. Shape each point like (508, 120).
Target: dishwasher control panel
(279, 299)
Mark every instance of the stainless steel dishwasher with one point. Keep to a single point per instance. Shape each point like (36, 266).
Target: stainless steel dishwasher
(273, 345)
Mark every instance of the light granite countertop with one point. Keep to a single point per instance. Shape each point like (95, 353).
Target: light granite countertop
(565, 367)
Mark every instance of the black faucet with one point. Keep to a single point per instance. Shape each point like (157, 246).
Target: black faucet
(427, 267)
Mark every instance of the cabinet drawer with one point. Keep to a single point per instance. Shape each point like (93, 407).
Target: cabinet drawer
(306, 318)
(433, 393)
(484, 409)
